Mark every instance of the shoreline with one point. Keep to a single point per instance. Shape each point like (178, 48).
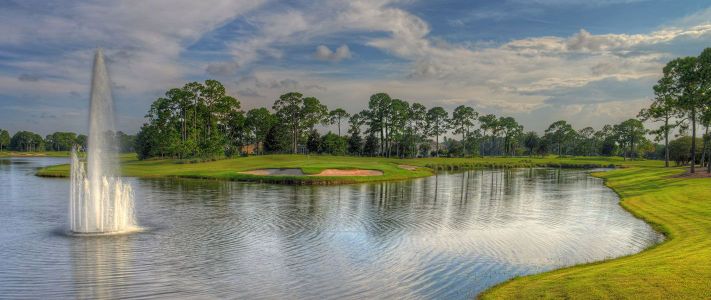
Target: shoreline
(34, 154)
(662, 270)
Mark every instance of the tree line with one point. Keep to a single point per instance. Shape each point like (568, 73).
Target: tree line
(27, 141)
(200, 120)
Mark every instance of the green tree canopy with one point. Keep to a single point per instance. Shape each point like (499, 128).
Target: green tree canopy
(680, 149)
(377, 114)
(60, 141)
(630, 133)
(336, 116)
(531, 141)
(511, 131)
(560, 133)
(259, 121)
(313, 141)
(333, 144)
(4, 139)
(199, 119)
(463, 119)
(298, 114)
(277, 140)
(26, 141)
(489, 123)
(437, 124)
(664, 108)
(685, 86)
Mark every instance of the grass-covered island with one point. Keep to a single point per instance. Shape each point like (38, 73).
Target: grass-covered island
(677, 206)
(392, 169)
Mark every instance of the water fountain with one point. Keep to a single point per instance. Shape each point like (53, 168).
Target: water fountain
(99, 202)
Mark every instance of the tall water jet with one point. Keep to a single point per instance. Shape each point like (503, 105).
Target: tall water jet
(99, 202)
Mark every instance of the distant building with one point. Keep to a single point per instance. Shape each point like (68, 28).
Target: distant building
(248, 149)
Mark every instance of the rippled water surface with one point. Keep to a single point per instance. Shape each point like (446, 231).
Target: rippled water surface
(448, 236)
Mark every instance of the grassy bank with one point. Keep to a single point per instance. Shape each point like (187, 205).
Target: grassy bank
(679, 268)
(34, 154)
(229, 169)
(527, 162)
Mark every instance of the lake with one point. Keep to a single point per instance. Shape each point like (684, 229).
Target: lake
(447, 236)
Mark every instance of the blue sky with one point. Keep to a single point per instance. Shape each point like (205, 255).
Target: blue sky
(587, 62)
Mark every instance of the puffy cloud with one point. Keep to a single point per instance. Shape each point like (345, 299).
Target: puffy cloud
(517, 77)
(324, 53)
(145, 43)
(585, 41)
(143, 40)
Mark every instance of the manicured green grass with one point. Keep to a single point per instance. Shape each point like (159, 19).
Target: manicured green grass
(229, 168)
(33, 154)
(679, 268)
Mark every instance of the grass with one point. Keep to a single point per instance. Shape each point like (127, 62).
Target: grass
(526, 162)
(679, 268)
(229, 169)
(33, 154)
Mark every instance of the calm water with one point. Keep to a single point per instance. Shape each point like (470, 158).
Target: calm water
(447, 236)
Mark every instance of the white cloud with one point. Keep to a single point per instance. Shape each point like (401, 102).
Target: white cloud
(576, 2)
(324, 53)
(533, 78)
(584, 41)
(143, 40)
(516, 77)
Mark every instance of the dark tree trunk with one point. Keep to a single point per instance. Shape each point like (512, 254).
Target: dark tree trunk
(382, 138)
(693, 140)
(666, 142)
(703, 148)
(437, 145)
(464, 144)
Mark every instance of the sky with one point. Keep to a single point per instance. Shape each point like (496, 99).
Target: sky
(584, 61)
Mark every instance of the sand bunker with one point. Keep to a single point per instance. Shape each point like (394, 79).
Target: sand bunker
(355, 172)
(327, 172)
(275, 172)
(407, 167)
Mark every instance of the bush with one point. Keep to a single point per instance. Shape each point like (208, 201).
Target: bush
(333, 144)
(26, 141)
(680, 150)
(313, 142)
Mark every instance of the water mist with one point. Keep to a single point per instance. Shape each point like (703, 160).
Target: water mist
(99, 201)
